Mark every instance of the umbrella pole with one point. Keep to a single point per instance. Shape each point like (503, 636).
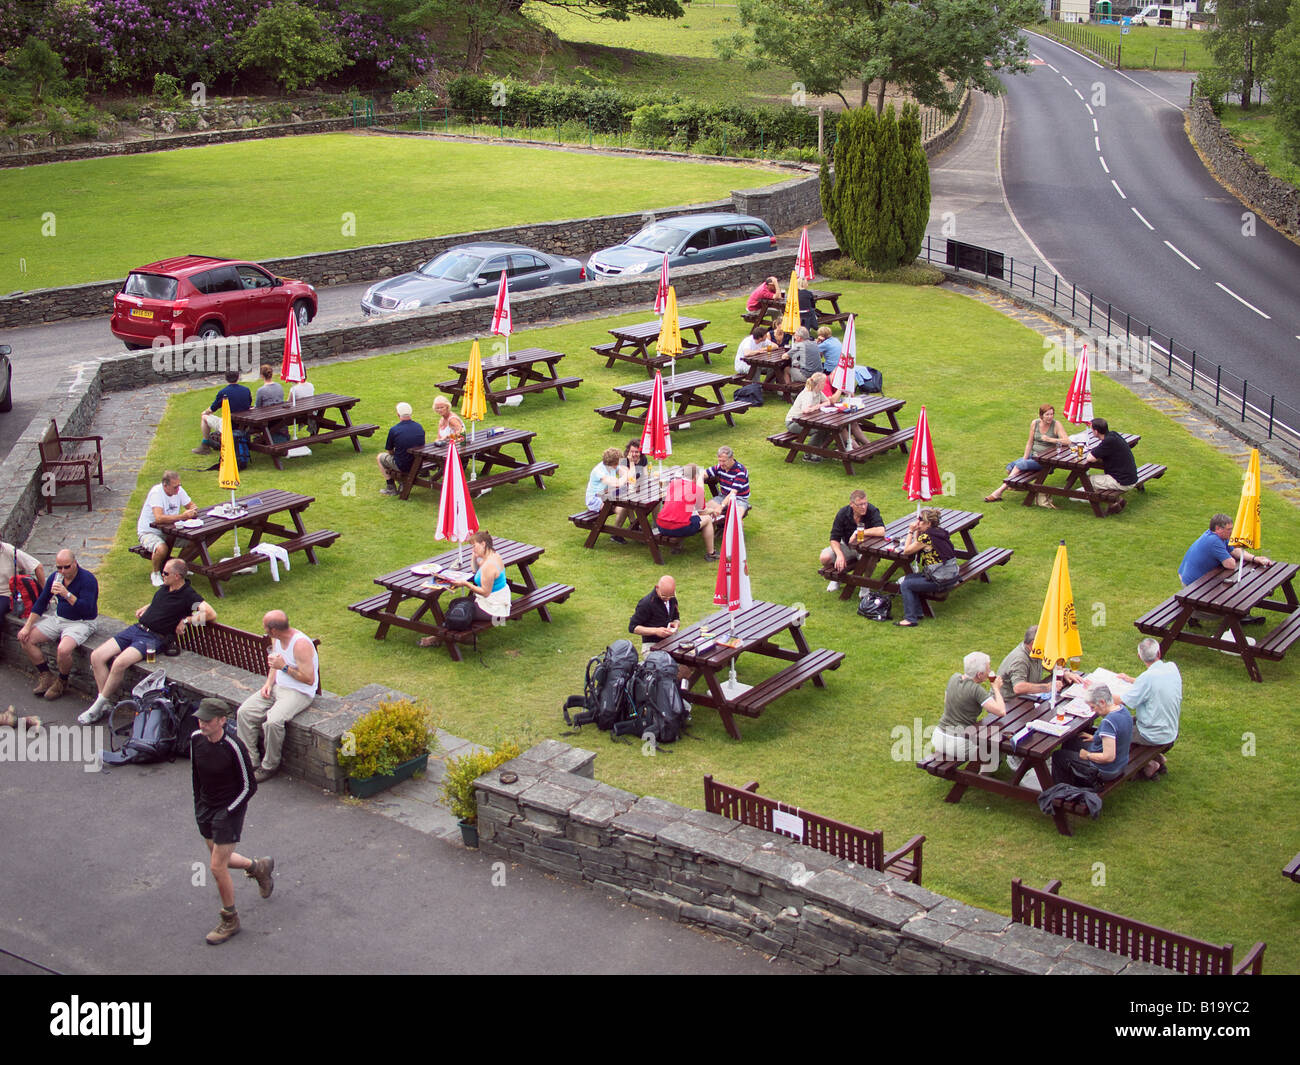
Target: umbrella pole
(236, 528)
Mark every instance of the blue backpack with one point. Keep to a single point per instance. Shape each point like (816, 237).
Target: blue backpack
(146, 724)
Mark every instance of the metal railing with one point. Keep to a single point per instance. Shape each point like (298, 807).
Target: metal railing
(1258, 410)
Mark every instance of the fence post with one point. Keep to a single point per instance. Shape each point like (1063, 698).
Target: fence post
(501, 123)
(1119, 54)
(1218, 380)
(589, 131)
(1128, 321)
(1245, 386)
(1155, 57)
(1271, 400)
(1033, 282)
(446, 118)
(1193, 370)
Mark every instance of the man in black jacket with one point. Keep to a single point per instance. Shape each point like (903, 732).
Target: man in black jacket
(222, 775)
(655, 617)
(1119, 470)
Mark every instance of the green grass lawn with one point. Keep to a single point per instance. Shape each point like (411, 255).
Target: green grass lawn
(1143, 47)
(1257, 131)
(1199, 851)
(310, 194)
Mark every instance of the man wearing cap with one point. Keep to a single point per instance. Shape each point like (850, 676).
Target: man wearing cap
(395, 460)
(222, 776)
(289, 689)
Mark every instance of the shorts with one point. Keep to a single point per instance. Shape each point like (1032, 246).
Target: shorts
(151, 541)
(1104, 482)
(140, 638)
(53, 627)
(744, 504)
(683, 530)
(389, 463)
(221, 825)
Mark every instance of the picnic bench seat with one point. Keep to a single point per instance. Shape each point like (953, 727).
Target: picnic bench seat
(974, 568)
(1292, 869)
(457, 388)
(876, 445)
(586, 519)
(750, 703)
(307, 543)
(623, 417)
(1049, 911)
(1023, 481)
(1159, 619)
(233, 647)
(865, 847)
(69, 460)
(283, 447)
(689, 351)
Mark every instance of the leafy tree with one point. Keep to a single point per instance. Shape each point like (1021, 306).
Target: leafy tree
(877, 202)
(37, 66)
(1241, 41)
(929, 48)
(1284, 81)
(290, 42)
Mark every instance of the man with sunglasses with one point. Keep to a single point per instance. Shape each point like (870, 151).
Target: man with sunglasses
(70, 625)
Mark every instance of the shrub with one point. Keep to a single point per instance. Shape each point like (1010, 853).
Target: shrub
(460, 774)
(393, 733)
(167, 89)
(292, 44)
(654, 124)
(419, 98)
(1214, 85)
(919, 274)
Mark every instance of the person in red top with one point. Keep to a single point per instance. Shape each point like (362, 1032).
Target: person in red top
(768, 290)
(683, 513)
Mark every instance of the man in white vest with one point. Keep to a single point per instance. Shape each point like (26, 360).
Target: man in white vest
(291, 680)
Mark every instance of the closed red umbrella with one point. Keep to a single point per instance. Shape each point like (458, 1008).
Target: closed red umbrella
(656, 439)
(503, 326)
(844, 375)
(732, 586)
(456, 517)
(1078, 401)
(922, 477)
(291, 365)
(803, 264)
(661, 295)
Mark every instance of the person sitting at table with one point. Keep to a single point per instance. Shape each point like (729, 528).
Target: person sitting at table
(166, 504)
(768, 290)
(1210, 551)
(1045, 433)
(396, 458)
(1156, 700)
(776, 337)
(807, 308)
(1119, 471)
(930, 545)
(488, 587)
(241, 399)
(655, 617)
(805, 359)
(957, 736)
(726, 477)
(1022, 673)
(859, 519)
(270, 392)
(683, 512)
(830, 349)
(1105, 755)
(634, 461)
(606, 476)
(449, 423)
(756, 341)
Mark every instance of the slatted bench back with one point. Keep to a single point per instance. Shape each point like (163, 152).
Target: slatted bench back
(234, 647)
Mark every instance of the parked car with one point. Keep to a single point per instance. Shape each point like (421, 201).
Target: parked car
(7, 370)
(469, 271)
(207, 297)
(695, 238)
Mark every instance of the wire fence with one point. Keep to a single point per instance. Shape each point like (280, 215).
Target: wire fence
(1131, 343)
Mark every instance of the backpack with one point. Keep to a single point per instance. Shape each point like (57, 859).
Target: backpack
(243, 454)
(606, 697)
(876, 607)
(460, 614)
(24, 590)
(751, 393)
(869, 379)
(658, 707)
(188, 724)
(146, 724)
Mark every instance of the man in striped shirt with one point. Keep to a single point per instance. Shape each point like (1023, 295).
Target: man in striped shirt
(729, 476)
(222, 775)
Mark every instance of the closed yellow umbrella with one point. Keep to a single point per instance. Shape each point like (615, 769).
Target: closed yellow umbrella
(1246, 529)
(473, 404)
(228, 471)
(670, 334)
(1058, 629)
(790, 320)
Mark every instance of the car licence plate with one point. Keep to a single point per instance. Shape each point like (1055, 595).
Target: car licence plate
(136, 312)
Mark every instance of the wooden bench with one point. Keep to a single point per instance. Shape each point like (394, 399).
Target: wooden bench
(537, 599)
(1139, 754)
(974, 568)
(234, 647)
(227, 568)
(457, 388)
(1292, 869)
(899, 438)
(283, 447)
(69, 460)
(1111, 932)
(536, 470)
(865, 847)
(623, 417)
(586, 519)
(1024, 481)
(751, 703)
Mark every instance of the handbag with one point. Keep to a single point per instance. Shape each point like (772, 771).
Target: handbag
(942, 573)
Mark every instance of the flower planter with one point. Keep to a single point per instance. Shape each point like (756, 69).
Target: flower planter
(468, 833)
(366, 787)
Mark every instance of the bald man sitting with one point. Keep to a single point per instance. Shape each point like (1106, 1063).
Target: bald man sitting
(291, 680)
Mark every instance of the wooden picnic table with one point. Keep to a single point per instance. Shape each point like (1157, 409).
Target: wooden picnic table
(519, 373)
(695, 395)
(1229, 600)
(771, 310)
(486, 450)
(265, 424)
(766, 369)
(888, 549)
(1078, 484)
(755, 629)
(632, 343)
(641, 500)
(194, 545)
(405, 585)
(860, 411)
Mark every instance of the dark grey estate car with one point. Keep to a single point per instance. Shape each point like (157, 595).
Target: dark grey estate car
(6, 374)
(469, 271)
(691, 238)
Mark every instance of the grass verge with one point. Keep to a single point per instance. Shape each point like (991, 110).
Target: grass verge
(1257, 131)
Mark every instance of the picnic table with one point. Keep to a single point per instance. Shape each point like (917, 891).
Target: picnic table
(264, 424)
(632, 343)
(1229, 600)
(695, 395)
(413, 584)
(641, 500)
(888, 549)
(755, 629)
(485, 451)
(771, 310)
(862, 412)
(765, 369)
(194, 545)
(1078, 484)
(1035, 752)
(519, 372)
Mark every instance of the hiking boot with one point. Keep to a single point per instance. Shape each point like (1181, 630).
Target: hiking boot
(228, 927)
(56, 688)
(43, 682)
(388, 490)
(263, 775)
(203, 449)
(260, 871)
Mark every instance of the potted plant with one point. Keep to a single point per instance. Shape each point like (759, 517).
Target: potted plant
(386, 746)
(458, 785)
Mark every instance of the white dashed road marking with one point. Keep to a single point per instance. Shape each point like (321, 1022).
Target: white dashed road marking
(1102, 160)
(1243, 302)
(1118, 189)
(1141, 219)
(1181, 256)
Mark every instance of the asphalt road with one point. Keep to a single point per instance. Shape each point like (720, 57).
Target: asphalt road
(1102, 178)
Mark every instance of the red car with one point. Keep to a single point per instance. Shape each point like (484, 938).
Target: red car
(206, 297)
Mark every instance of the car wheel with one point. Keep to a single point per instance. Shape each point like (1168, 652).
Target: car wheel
(302, 311)
(210, 331)
(7, 404)
(134, 347)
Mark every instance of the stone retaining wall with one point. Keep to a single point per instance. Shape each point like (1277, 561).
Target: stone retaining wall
(1272, 197)
(765, 890)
